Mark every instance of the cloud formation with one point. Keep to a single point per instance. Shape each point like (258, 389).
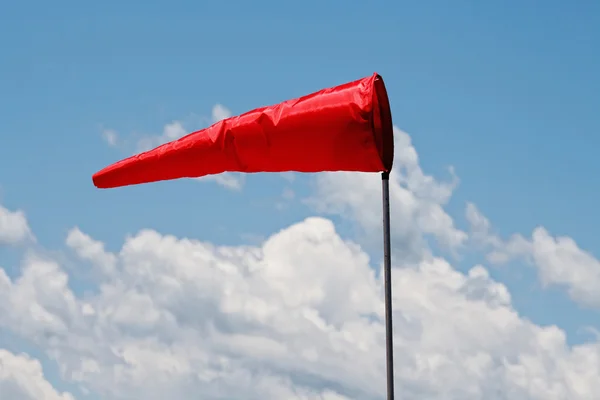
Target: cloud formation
(299, 315)
(417, 202)
(21, 378)
(171, 131)
(220, 112)
(289, 318)
(559, 261)
(13, 227)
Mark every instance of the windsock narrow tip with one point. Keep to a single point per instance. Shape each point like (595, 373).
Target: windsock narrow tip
(97, 180)
(100, 181)
(121, 173)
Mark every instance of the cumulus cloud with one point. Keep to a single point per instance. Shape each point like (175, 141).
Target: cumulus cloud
(480, 227)
(298, 317)
(91, 250)
(22, 378)
(14, 227)
(416, 200)
(558, 260)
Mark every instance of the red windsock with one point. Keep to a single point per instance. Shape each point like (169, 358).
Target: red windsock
(344, 128)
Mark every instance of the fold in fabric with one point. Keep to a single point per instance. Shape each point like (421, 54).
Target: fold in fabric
(344, 128)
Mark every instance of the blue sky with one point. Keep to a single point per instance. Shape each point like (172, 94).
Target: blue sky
(508, 93)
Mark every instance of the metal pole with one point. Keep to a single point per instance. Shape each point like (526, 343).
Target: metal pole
(387, 272)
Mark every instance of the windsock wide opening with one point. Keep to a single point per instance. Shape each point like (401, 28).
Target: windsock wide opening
(382, 124)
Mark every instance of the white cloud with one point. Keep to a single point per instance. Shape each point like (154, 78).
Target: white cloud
(299, 315)
(480, 226)
(230, 180)
(13, 227)
(111, 137)
(416, 201)
(220, 112)
(91, 250)
(289, 319)
(558, 260)
(22, 378)
(171, 131)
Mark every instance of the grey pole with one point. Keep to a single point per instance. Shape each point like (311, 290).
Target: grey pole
(387, 271)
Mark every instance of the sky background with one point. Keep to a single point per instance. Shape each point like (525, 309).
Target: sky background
(505, 93)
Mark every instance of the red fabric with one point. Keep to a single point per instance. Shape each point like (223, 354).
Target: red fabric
(344, 128)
